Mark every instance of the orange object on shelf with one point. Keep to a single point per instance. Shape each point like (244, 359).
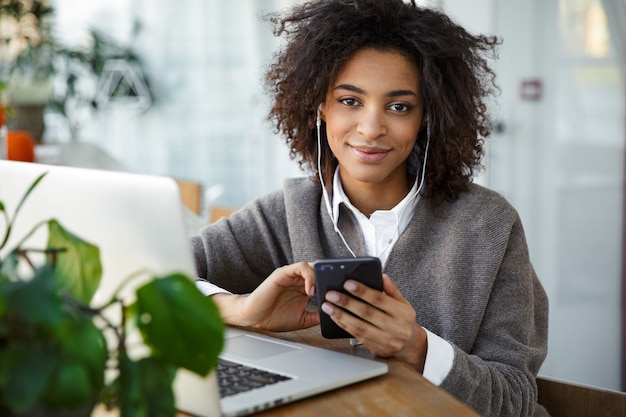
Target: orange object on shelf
(20, 146)
(2, 117)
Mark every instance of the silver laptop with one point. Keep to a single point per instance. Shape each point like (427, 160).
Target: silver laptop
(138, 221)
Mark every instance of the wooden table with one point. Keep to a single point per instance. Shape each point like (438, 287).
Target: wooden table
(402, 392)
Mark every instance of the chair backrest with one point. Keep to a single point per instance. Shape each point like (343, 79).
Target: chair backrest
(563, 399)
(217, 212)
(191, 193)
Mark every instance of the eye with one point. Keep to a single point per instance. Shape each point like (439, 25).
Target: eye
(400, 107)
(349, 101)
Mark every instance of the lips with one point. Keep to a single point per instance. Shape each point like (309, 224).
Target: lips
(368, 154)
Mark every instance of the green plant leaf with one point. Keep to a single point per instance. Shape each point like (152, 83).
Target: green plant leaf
(180, 324)
(126, 393)
(7, 233)
(8, 267)
(39, 316)
(69, 386)
(8, 273)
(24, 374)
(83, 342)
(156, 387)
(35, 301)
(144, 388)
(78, 268)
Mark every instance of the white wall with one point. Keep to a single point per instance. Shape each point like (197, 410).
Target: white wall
(559, 161)
(476, 16)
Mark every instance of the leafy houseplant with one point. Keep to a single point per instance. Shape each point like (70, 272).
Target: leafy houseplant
(59, 354)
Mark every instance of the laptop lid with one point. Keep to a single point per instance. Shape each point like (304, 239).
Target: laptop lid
(136, 220)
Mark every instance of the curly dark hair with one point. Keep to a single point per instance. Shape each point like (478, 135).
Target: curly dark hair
(456, 81)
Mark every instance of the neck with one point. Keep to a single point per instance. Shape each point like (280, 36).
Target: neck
(370, 197)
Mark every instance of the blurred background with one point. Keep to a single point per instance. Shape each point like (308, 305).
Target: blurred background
(175, 88)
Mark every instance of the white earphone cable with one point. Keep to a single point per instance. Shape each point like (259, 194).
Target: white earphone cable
(329, 208)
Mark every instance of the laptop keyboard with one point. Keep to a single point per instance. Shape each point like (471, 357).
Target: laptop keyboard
(234, 378)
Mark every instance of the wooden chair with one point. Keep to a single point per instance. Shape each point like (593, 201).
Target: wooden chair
(563, 399)
(191, 194)
(217, 212)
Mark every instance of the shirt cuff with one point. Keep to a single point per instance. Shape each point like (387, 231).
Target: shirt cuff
(439, 359)
(208, 289)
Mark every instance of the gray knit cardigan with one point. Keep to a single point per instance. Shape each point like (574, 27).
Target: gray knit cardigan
(465, 269)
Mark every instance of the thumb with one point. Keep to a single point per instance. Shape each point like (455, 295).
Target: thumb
(310, 319)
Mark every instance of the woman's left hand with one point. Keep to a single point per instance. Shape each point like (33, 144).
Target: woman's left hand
(382, 321)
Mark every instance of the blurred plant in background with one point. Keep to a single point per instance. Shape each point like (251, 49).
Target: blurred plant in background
(37, 72)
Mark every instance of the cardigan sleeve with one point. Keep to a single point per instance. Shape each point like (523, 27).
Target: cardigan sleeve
(497, 376)
(466, 271)
(239, 252)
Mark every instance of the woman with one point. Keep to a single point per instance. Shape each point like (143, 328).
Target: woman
(386, 102)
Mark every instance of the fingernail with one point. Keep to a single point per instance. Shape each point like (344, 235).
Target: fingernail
(312, 290)
(333, 297)
(350, 286)
(327, 308)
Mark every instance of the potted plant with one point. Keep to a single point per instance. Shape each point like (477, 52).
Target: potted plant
(84, 82)
(26, 62)
(60, 355)
(37, 72)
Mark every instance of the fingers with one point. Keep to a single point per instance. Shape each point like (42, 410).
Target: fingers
(354, 314)
(292, 275)
(384, 321)
(372, 297)
(279, 303)
(299, 271)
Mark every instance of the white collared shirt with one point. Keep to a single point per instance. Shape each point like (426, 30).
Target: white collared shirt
(383, 228)
(380, 233)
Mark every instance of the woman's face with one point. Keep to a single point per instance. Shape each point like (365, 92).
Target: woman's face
(373, 112)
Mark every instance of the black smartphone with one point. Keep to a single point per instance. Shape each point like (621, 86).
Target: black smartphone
(330, 274)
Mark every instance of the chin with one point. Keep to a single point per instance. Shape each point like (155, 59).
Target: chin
(369, 178)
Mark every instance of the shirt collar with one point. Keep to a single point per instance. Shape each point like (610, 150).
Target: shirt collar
(339, 196)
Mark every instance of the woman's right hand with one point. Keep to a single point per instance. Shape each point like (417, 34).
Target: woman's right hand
(278, 304)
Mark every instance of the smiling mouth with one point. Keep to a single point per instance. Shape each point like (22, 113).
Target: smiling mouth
(369, 154)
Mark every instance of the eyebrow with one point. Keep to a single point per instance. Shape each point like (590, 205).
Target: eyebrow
(355, 89)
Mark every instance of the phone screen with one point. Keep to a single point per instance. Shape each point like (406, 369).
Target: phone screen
(330, 274)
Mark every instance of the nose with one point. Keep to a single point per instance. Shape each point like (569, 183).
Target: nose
(372, 124)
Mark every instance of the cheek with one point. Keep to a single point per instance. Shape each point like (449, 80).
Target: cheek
(407, 137)
(336, 131)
